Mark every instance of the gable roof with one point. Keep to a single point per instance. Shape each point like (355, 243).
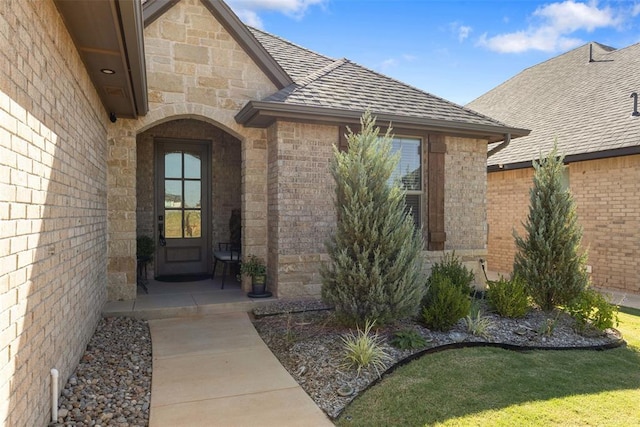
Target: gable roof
(153, 9)
(325, 89)
(585, 105)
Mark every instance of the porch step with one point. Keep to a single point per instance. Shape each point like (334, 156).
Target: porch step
(162, 308)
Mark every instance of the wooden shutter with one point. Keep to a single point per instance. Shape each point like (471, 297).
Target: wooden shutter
(436, 235)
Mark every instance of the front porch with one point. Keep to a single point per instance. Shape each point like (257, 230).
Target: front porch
(184, 299)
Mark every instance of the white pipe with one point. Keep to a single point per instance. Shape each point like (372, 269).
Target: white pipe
(54, 395)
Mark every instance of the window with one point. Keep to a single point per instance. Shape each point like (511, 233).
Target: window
(409, 173)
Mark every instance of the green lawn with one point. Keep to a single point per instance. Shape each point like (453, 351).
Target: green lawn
(494, 387)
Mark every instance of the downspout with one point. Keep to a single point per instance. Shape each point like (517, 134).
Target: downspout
(54, 395)
(500, 147)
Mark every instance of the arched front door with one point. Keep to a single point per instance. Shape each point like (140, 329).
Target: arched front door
(183, 186)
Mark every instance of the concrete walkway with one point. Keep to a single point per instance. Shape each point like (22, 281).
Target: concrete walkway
(216, 371)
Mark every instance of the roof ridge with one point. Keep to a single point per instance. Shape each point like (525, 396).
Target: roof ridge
(609, 49)
(315, 75)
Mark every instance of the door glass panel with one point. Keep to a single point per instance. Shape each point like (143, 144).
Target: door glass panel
(172, 193)
(192, 194)
(192, 224)
(191, 166)
(173, 224)
(173, 165)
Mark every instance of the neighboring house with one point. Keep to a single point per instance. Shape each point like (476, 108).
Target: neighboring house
(118, 121)
(583, 99)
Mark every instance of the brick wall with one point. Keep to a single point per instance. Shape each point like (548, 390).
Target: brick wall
(53, 209)
(465, 203)
(301, 212)
(605, 192)
(465, 194)
(507, 208)
(608, 206)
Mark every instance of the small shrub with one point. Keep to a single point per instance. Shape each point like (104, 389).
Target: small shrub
(451, 267)
(445, 303)
(591, 309)
(363, 349)
(478, 324)
(508, 297)
(408, 340)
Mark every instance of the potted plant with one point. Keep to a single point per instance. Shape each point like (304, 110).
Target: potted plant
(145, 248)
(255, 268)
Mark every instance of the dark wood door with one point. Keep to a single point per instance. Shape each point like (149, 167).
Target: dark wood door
(182, 207)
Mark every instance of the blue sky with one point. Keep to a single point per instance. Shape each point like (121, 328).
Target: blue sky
(454, 49)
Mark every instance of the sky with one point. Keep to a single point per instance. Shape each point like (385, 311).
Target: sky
(454, 49)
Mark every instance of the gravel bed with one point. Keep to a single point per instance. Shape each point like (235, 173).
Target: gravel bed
(309, 345)
(112, 384)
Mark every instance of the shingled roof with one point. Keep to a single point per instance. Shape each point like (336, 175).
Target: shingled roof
(585, 105)
(327, 87)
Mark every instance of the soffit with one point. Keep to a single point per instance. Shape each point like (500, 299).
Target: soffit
(108, 35)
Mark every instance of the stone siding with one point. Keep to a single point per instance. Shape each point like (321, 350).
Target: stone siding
(225, 182)
(608, 210)
(195, 70)
(53, 210)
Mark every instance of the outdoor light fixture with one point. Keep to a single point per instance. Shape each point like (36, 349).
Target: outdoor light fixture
(107, 71)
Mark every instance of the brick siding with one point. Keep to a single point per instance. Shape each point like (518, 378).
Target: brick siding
(53, 210)
(608, 210)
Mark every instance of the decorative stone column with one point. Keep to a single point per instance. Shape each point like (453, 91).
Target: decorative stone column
(254, 202)
(121, 218)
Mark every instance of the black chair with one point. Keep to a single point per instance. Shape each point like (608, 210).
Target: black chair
(227, 254)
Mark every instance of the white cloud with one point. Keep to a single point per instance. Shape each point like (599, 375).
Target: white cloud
(248, 10)
(557, 21)
(636, 10)
(394, 62)
(461, 31)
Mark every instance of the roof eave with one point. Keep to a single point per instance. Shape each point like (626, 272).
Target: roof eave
(570, 158)
(262, 114)
(121, 48)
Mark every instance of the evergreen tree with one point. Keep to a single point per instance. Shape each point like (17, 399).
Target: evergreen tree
(375, 266)
(549, 258)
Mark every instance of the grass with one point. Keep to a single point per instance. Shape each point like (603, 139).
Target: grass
(494, 387)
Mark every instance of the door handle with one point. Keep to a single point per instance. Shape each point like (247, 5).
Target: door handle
(161, 238)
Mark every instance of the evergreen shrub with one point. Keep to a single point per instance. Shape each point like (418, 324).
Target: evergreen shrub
(508, 297)
(549, 258)
(444, 303)
(375, 253)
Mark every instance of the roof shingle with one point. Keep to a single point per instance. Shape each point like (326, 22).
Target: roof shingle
(585, 105)
(324, 82)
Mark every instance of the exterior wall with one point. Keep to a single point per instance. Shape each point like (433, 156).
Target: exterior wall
(52, 210)
(301, 212)
(507, 208)
(195, 70)
(226, 177)
(465, 204)
(608, 206)
(608, 210)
